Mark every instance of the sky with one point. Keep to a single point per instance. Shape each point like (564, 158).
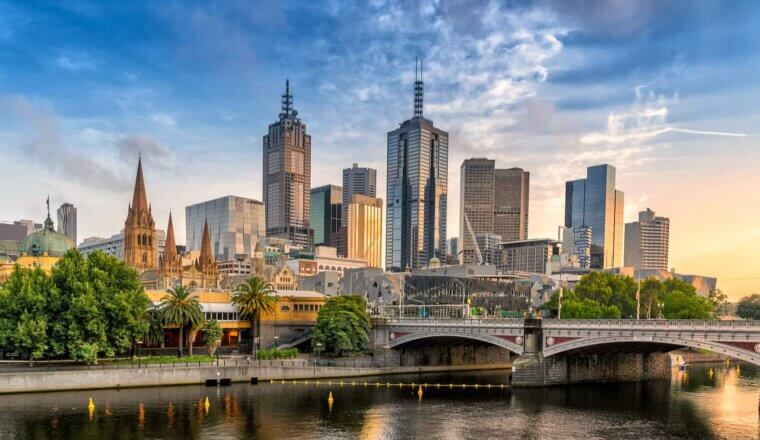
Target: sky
(665, 91)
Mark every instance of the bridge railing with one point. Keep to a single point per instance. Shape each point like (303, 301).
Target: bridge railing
(442, 311)
(647, 323)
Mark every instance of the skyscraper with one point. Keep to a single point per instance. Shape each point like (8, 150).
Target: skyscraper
(511, 195)
(287, 176)
(417, 186)
(236, 225)
(476, 208)
(594, 202)
(364, 233)
(326, 213)
(67, 221)
(357, 180)
(647, 242)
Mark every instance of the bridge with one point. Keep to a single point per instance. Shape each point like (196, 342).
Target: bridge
(576, 344)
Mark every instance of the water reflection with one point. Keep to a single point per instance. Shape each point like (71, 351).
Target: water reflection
(711, 401)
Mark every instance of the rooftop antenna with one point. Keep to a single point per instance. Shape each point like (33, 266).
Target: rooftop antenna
(419, 89)
(287, 101)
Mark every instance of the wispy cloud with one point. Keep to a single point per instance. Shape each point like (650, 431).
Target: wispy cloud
(76, 61)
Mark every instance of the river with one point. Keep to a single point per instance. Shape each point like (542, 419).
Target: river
(710, 401)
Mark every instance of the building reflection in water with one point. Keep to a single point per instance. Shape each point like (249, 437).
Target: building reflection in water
(141, 415)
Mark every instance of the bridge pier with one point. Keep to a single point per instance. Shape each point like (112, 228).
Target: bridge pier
(534, 370)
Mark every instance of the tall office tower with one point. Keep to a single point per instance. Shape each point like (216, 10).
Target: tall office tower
(326, 213)
(452, 246)
(140, 244)
(357, 180)
(364, 233)
(511, 191)
(476, 209)
(287, 176)
(576, 242)
(236, 225)
(417, 186)
(647, 242)
(67, 221)
(594, 202)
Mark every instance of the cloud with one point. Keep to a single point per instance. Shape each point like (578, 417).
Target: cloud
(46, 149)
(76, 62)
(164, 119)
(131, 146)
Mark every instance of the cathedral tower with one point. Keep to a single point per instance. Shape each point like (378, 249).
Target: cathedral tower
(140, 246)
(170, 264)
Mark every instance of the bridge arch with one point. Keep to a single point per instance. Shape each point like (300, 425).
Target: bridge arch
(716, 347)
(493, 340)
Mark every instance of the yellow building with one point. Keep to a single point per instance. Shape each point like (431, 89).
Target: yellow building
(364, 232)
(41, 249)
(295, 313)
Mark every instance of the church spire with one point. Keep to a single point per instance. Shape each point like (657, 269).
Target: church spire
(170, 245)
(139, 198)
(206, 256)
(419, 89)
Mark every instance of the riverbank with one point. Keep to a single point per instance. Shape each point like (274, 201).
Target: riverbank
(168, 375)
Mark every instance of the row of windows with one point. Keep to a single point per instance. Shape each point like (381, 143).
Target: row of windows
(306, 307)
(222, 316)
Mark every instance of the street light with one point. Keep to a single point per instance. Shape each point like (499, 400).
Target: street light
(139, 352)
(318, 350)
(386, 347)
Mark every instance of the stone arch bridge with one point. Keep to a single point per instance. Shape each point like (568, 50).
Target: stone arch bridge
(564, 351)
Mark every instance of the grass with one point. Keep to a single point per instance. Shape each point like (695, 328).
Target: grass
(205, 359)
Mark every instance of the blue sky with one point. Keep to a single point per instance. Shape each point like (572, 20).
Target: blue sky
(665, 91)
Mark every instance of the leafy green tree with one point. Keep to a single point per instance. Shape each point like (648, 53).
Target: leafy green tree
(749, 307)
(154, 334)
(686, 305)
(181, 308)
(252, 298)
(31, 336)
(719, 302)
(609, 290)
(652, 292)
(23, 312)
(98, 307)
(343, 326)
(588, 309)
(212, 336)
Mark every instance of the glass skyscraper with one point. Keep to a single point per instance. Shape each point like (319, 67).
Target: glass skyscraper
(236, 224)
(357, 180)
(595, 203)
(326, 213)
(287, 176)
(67, 221)
(417, 186)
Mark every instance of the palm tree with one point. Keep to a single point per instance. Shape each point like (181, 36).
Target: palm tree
(154, 334)
(252, 298)
(181, 308)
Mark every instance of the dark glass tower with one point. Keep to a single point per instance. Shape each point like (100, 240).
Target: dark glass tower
(417, 186)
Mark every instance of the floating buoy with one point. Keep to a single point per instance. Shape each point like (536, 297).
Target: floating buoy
(476, 386)
(419, 392)
(91, 408)
(330, 401)
(353, 384)
(282, 382)
(206, 404)
(438, 385)
(451, 385)
(271, 380)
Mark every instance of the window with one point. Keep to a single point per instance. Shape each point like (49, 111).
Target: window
(284, 309)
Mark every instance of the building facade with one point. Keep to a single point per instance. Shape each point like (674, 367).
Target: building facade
(576, 243)
(287, 176)
(358, 180)
(364, 230)
(511, 197)
(236, 225)
(140, 241)
(647, 242)
(67, 221)
(417, 159)
(595, 203)
(476, 208)
(114, 245)
(532, 256)
(488, 244)
(326, 213)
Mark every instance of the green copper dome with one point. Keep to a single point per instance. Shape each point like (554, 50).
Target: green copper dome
(45, 242)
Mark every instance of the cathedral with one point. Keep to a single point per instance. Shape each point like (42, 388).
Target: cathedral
(141, 249)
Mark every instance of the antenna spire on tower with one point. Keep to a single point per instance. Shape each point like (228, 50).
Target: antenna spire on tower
(419, 89)
(287, 101)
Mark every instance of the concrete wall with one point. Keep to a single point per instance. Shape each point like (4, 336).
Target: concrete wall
(535, 370)
(80, 379)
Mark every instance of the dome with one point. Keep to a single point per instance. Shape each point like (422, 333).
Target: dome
(434, 262)
(45, 242)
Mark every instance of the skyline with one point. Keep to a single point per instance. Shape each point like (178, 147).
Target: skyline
(663, 98)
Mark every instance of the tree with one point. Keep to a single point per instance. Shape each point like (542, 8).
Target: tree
(343, 326)
(609, 289)
(749, 307)
(652, 292)
(23, 312)
(212, 336)
(588, 309)
(686, 305)
(181, 308)
(719, 302)
(97, 308)
(252, 298)
(154, 334)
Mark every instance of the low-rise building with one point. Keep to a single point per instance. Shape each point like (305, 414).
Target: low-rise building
(114, 245)
(531, 256)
